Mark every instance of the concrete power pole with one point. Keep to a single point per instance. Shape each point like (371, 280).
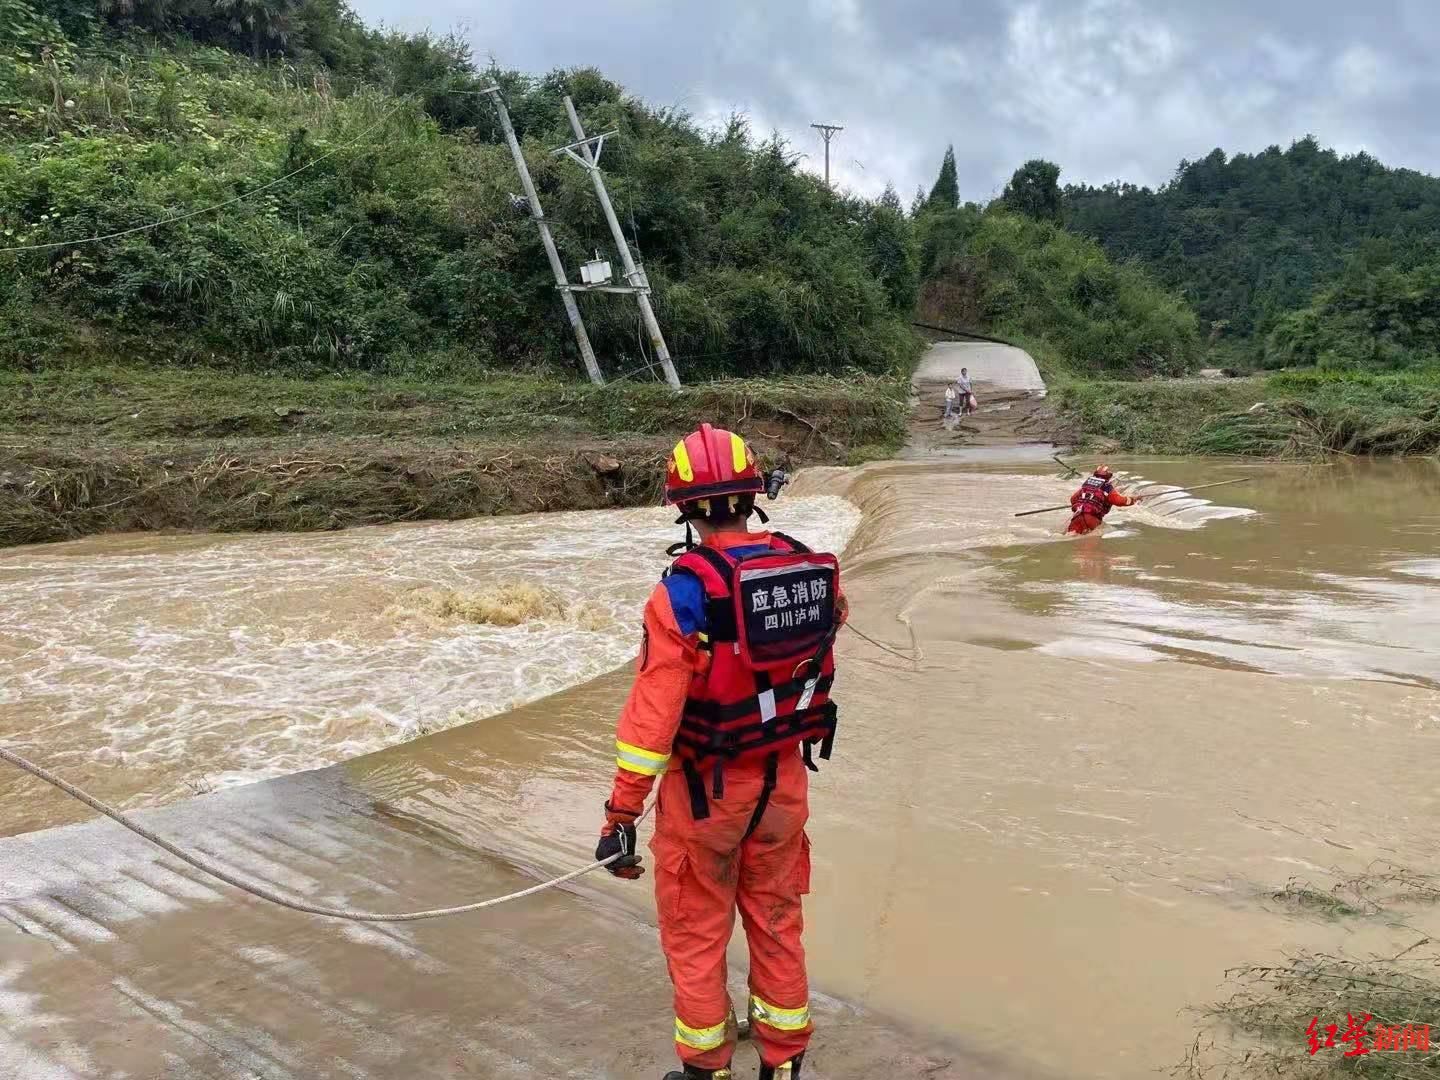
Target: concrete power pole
(634, 276)
(537, 212)
(827, 132)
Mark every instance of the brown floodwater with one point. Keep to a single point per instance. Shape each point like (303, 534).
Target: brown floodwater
(1337, 574)
(1047, 831)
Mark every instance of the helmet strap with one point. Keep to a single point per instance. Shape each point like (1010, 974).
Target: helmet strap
(682, 546)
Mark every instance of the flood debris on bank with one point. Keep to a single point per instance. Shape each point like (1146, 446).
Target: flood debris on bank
(1285, 415)
(1385, 1009)
(83, 452)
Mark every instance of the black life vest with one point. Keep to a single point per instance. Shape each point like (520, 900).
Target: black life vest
(1093, 497)
(772, 621)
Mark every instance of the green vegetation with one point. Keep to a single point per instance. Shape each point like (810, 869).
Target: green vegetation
(1250, 239)
(1383, 312)
(1055, 293)
(1034, 191)
(1305, 899)
(1283, 415)
(1260, 1030)
(134, 406)
(945, 195)
(374, 229)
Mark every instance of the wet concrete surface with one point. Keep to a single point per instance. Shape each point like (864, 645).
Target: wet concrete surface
(118, 961)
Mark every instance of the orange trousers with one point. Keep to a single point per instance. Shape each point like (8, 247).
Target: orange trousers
(1083, 523)
(707, 870)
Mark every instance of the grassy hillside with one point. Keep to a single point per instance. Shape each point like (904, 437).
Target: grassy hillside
(1282, 415)
(367, 222)
(102, 449)
(1057, 294)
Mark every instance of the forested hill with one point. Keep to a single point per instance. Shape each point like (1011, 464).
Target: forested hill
(365, 219)
(1250, 238)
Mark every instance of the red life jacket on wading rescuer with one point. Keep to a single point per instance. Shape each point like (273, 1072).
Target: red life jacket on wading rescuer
(1097, 494)
(1093, 497)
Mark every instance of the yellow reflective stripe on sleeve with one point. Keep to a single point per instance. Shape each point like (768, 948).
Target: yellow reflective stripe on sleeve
(778, 1018)
(738, 454)
(709, 1038)
(682, 463)
(637, 759)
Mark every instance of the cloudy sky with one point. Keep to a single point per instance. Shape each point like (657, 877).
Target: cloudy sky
(1107, 88)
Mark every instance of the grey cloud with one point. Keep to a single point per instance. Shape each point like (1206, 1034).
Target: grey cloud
(1109, 89)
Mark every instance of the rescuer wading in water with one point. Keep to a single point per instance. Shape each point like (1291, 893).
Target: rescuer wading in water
(729, 708)
(1093, 500)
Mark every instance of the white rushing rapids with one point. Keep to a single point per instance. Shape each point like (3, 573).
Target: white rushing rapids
(204, 662)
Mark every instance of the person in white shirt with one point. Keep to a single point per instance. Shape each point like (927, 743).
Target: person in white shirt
(959, 396)
(966, 392)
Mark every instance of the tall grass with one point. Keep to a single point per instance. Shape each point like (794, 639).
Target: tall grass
(1284, 415)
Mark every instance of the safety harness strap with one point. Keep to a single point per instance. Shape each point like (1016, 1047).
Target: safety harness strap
(699, 807)
(718, 562)
(705, 741)
(772, 766)
(719, 714)
(799, 548)
(719, 609)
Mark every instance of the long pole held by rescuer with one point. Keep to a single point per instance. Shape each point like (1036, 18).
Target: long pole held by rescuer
(1201, 487)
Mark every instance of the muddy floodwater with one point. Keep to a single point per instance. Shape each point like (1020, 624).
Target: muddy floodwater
(1052, 821)
(1338, 577)
(151, 668)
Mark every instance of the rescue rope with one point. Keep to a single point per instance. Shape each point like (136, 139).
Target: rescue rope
(882, 645)
(294, 904)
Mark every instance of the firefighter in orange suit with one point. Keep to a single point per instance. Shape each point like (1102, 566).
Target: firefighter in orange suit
(1093, 501)
(730, 707)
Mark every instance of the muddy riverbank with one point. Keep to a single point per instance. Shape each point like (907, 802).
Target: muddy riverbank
(118, 450)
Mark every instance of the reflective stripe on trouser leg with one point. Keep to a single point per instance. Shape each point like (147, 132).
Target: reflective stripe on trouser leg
(780, 1019)
(774, 877)
(695, 901)
(706, 1038)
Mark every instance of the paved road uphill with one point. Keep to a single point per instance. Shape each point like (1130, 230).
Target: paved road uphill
(1008, 387)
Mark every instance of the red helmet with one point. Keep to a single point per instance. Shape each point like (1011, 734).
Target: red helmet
(1103, 471)
(710, 462)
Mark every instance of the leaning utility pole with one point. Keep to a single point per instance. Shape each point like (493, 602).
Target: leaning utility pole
(562, 283)
(634, 276)
(827, 132)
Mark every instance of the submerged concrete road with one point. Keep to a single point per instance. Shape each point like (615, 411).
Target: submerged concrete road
(118, 961)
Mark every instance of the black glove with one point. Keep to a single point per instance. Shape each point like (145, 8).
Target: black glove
(618, 838)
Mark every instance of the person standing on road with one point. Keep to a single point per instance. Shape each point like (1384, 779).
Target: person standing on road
(959, 392)
(730, 703)
(968, 403)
